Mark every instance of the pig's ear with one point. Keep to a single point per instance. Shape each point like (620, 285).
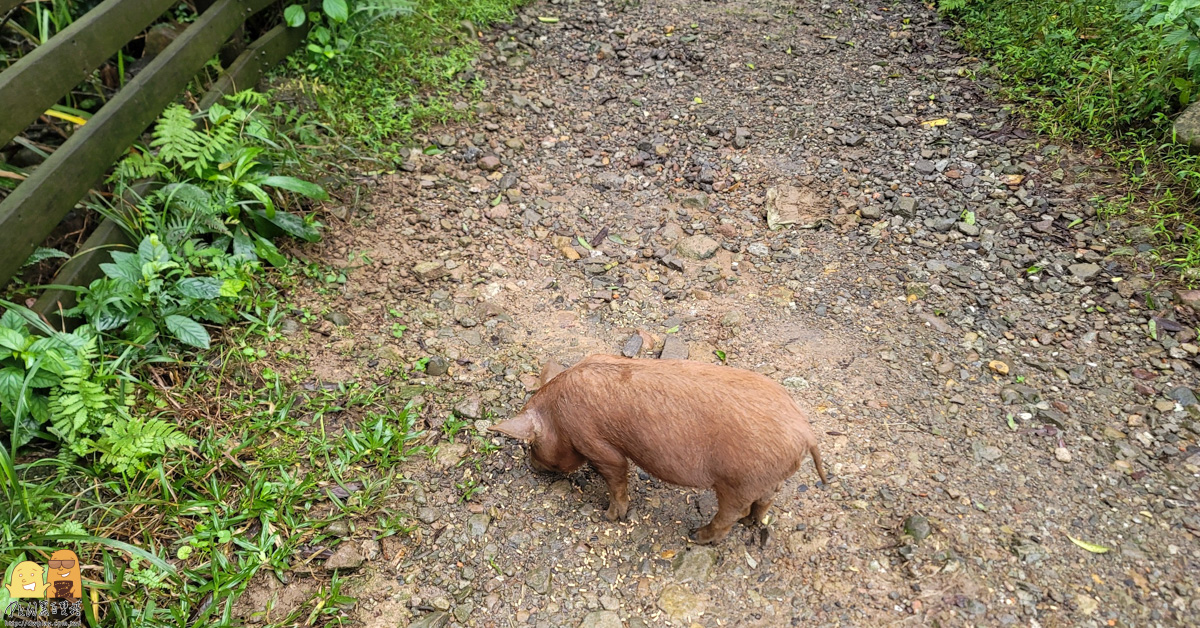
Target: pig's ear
(549, 370)
(524, 426)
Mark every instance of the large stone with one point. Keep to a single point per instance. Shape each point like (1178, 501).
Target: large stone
(539, 580)
(791, 205)
(674, 348)
(477, 525)
(698, 246)
(470, 408)
(346, 556)
(1187, 128)
(1190, 298)
(695, 565)
(601, 619)
(679, 603)
(428, 271)
(906, 206)
(436, 619)
(1083, 272)
(694, 202)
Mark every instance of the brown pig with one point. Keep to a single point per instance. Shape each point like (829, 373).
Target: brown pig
(687, 423)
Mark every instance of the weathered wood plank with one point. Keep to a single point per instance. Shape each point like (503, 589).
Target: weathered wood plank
(266, 51)
(81, 270)
(8, 5)
(39, 79)
(37, 205)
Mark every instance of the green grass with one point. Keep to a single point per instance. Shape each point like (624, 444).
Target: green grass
(405, 75)
(1078, 71)
(274, 464)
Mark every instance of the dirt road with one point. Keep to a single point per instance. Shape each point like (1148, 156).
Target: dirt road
(990, 366)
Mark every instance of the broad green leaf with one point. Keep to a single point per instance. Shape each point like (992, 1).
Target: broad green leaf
(232, 287)
(336, 10)
(299, 186)
(1091, 547)
(199, 287)
(152, 250)
(188, 331)
(13, 320)
(294, 226)
(42, 253)
(294, 15)
(12, 380)
(268, 251)
(13, 339)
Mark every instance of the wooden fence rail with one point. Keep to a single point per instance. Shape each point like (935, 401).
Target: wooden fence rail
(32, 211)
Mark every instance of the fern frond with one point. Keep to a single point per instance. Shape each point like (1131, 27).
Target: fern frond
(129, 442)
(175, 136)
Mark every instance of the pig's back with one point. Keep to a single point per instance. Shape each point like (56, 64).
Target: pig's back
(688, 423)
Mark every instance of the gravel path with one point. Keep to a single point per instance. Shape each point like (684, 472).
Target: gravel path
(991, 368)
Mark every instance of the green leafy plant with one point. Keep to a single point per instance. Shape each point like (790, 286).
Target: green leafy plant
(337, 25)
(1180, 22)
(150, 293)
(55, 386)
(218, 183)
(30, 368)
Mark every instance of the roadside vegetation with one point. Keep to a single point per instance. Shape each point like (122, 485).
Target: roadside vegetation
(170, 439)
(1111, 74)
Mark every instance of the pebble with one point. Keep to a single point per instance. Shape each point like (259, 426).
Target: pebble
(698, 247)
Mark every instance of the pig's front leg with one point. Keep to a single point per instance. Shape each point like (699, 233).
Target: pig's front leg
(615, 471)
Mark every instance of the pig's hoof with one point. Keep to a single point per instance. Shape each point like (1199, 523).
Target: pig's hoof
(615, 512)
(749, 521)
(705, 536)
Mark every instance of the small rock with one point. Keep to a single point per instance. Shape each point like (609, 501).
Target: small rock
(924, 166)
(998, 366)
(698, 247)
(906, 207)
(470, 408)
(338, 318)
(990, 453)
(917, 527)
(633, 346)
(489, 163)
(1086, 605)
(1190, 298)
(732, 318)
(679, 603)
(427, 514)
(1183, 395)
(477, 525)
(1062, 454)
(539, 580)
(695, 565)
(696, 201)
(289, 327)
(1084, 272)
(674, 348)
(601, 619)
(437, 366)
(428, 271)
(346, 556)
(436, 619)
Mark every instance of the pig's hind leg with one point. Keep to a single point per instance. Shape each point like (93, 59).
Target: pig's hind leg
(614, 469)
(758, 510)
(731, 506)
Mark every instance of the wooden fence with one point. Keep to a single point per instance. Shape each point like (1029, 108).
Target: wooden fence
(37, 81)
